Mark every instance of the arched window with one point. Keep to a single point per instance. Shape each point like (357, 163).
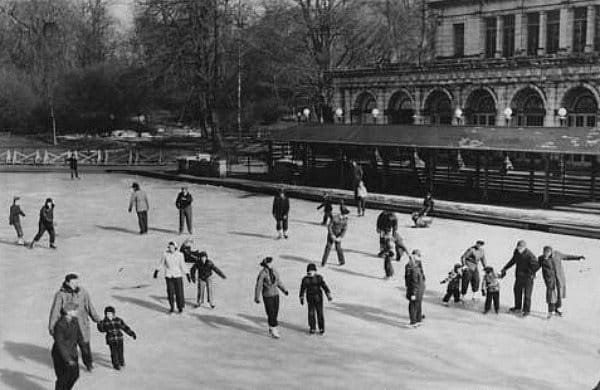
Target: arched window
(582, 107)
(363, 107)
(438, 108)
(528, 108)
(400, 109)
(480, 109)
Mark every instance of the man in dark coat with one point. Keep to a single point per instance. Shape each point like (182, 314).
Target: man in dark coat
(335, 232)
(327, 209)
(72, 160)
(313, 286)
(14, 219)
(554, 277)
(414, 279)
(281, 209)
(46, 223)
(204, 267)
(184, 205)
(67, 335)
(526, 267)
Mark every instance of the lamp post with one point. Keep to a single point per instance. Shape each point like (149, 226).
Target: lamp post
(375, 113)
(562, 114)
(112, 122)
(306, 113)
(508, 115)
(339, 113)
(299, 116)
(458, 114)
(140, 119)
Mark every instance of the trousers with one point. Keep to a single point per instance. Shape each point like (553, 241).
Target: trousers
(454, 292)
(202, 286)
(45, 227)
(143, 221)
(66, 375)
(315, 309)
(338, 249)
(116, 353)
(470, 277)
(175, 293)
(18, 229)
(414, 311)
(523, 289)
(272, 309)
(282, 223)
(185, 217)
(388, 267)
(492, 297)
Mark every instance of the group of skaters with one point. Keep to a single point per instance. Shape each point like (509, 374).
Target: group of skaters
(72, 308)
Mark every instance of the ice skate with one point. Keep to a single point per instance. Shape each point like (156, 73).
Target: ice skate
(20, 241)
(279, 235)
(558, 312)
(445, 304)
(549, 316)
(52, 246)
(275, 333)
(311, 331)
(321, 332)
(285, 235)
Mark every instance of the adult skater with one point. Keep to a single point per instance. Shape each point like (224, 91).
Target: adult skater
(268, 285)
(71, 293)
(281, 209)
(72, 160)
(327, 209)
(414, 279)
(139, 199)
(470, 261)
(313, 286)
(357, 177)
(173, 265)
(184, 205)
(67, 335)
(45, 224)
(526, 266)
(554, 277)
(386, 221)
(14, 219)
(335, 232)
(420, 218)
(361, 198)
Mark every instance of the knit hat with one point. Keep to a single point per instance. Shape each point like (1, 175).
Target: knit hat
(547, 247)
(266, 261)
(173, 243)
(109, 309)
(69, 306)
(457, 266)
(311, 267)
(16, 198)
(49, 200)
(203, 254)
(135, 186)
(479, 242)
(488, 269)
(71, 276)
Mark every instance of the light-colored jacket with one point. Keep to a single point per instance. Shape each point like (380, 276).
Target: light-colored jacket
(139, 199)
(85, 309)
(266, 287)
(472, 257)
(173, 264)
(361, 191)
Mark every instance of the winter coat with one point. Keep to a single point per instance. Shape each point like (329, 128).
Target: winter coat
(189, 256)
(554, 275)
(67, 336)
(139, 199)
(266, 287)
(414, 279)
(313, 287)
(428, 204)
(81, 298)
(172, 264)
(357, 174)
(472, 257)
(326, 206)
(183, 201)
(281, 206)
(47, 215)
(453, 281)
(387, 220)
(114, 329)
(337, 227)
(526, 264)
(15, 214)
(361, 191)
(204, 270)
(490, 283)
(72, 162)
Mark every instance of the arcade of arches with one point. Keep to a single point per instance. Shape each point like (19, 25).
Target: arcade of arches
(401, 110)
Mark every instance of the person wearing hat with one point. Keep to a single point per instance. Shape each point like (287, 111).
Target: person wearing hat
(335, 232)
(313, 286)
(204, 267)
(14, 219)
(184, 205)
(526, 266)
(554, 277)
(139, 200)
(470, 261)
(453, 289)
(67, 335)
(268, 285)
(45, 224)
(281, 210)
(72, 160)
(114, 327)
(72, 292)
(173, 265)
(490, 288)
(414, 279)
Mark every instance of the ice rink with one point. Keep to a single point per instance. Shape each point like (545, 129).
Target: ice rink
(366, 346)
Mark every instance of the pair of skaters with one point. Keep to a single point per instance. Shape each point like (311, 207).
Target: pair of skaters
(45, 222)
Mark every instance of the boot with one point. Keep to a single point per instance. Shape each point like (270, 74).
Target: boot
(20, 241)
(279, 235)
(31, 244)
(275, 332)
(285, 235)
(52, 246)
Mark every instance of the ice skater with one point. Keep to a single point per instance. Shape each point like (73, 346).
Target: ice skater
(189, 255)
(205, 268)
(45, 224)
(327, 209)
(184, 205)
(470, 261)
(67, 335)
(361, 196)
(281, 210)
(453, 288)
(72, 160)
(421, 218)
(139, 200)
(335, 232)
(14, 219)
(313, 286)
(386, 221)
(173, 265)
(72, 292)
(268, 285)
(491, 289)
(357, 177)
(554, 277)
(393, 249)
(114, 327)
(414, 279)
(526, 267)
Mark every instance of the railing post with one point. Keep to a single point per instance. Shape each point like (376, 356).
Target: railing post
(486, 179)
(130, 160)
(546, 196)
(593, 178)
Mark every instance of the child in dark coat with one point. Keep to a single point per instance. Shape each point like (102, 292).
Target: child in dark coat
(313, 286)
(204, 267)
(327, 209)
(67, 336)
(46, 224)
(281, 209)
(453, 281)
(491, 290)
(114, 327)
(14, 219)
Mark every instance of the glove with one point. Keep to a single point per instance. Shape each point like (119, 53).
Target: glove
(129, 210)
(483, 293)
(256, 300)
(189, 279)
(155, 274)
(286, 293)
(134, 336)
(329, 298)
(302, 301)
(582, 258)
(51, 331)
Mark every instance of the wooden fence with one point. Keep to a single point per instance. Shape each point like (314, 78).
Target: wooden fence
(85, 157)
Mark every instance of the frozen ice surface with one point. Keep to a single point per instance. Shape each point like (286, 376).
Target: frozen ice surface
(367, 345)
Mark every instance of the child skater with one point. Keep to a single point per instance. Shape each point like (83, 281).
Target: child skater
(453, 281)
(112, 326)
(414, 278)
(205, 269)
(491, 290)
(327, 209)
(14, 219)
(389, 252)
(313, 286)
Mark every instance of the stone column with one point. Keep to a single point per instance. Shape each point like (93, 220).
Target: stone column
(552, 104)
(419, 119)
(481, 37)
(590, 35)
(566, 30)
(501, 93)
(347, 106)
(499, 36)
(519, 34)
(381, 100)
(542, 37)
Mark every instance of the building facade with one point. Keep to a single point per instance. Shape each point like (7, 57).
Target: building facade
(523, 63)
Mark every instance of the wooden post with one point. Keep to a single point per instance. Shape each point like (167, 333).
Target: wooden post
(270, 157)
(531, 174)
(593, 178)
(130, 160)
(160, 156)
(486, 164)
(563, 172)
(431, 162)
(248, 162)
(477, 169)
(546, 196)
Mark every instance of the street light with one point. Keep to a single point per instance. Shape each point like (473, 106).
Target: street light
(458, 113)
(140, 119)
(306, 113)
(339, 113)
(375, 113)
(508, 115)
(299, 115)
(562, 114)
